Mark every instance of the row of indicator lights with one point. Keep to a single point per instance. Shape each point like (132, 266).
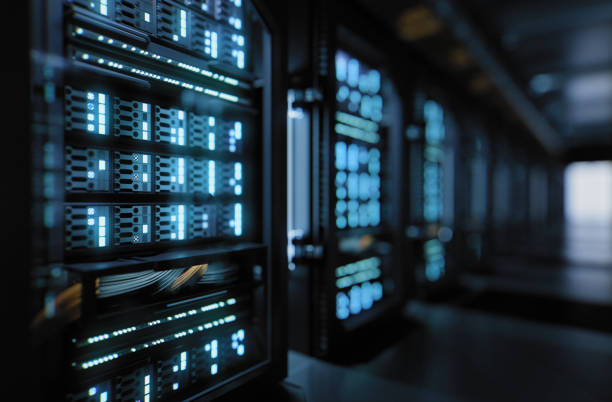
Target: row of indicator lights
(357, 278)
(237, 178)
(357, 266)
(369, 107)
(183, 363)
(181, 172)
(96, 112)
(434, 259)
(180, 177)
(432, 192)
(235, 22)
(211, 43)
(148, 74)
(350, 157)
(145, 124)
(103, 395)
(204, 221)
(145, 53)
(434, 269)
(91, 221)
(180, 229)
(209, 307)
(103, 6)
(147, 388)
(360, 298)
(238, 342)
(356, 133)
(101, 167)
(434, 122)
(178, 218)
(364, 186)
(103, 337)
(177, 131)
(211, 134)
(349, 71)
(101, 360)
(239, 55)
(212, 349)
(211, 177)
(237, 221)
(358, 215)
(104, 359)
(182, 26)
(357, 122)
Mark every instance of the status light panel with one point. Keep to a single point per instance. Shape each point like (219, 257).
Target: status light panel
(357, 150)
(359, 287)
(102, 170)
(433, 185)
(358, 156)
(433, 156)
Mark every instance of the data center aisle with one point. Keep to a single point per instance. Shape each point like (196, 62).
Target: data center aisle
(454, 354)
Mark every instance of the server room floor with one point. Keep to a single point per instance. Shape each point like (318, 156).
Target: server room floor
(458, 352)
(449, 353)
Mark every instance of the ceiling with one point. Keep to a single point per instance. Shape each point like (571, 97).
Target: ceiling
(549, 62)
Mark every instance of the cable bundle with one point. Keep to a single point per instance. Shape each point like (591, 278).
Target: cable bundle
(220, 273)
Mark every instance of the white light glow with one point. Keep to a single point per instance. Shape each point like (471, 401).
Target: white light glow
(588, 192)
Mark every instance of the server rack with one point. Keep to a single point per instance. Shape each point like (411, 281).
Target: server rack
(158, 180)
(432, 149)
(344, 130)
(473, 194)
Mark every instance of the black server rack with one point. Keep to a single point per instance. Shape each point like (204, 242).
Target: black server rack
(431, 141)
(501, 193)
(158, 161)
(473, 195)
(344, 128)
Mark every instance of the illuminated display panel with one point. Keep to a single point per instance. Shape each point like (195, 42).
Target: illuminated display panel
(358, 152)
(158, 208)
(433, 184)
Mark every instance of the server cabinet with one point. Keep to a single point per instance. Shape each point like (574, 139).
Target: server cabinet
(473, 195)
(344, 130)
(158, 157)
(432, 152)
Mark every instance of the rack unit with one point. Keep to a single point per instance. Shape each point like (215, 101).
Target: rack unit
(431, 143)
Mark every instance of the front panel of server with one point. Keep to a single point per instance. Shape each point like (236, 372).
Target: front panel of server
(363, 274)
(155, 272)
(430, 188)
(473, 196)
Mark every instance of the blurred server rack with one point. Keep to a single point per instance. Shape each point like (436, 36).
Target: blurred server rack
(158, 160)
(345, 169)
(431, 140)
(473, 194)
